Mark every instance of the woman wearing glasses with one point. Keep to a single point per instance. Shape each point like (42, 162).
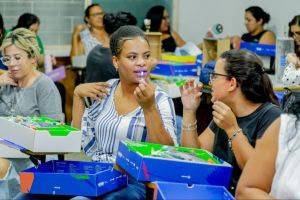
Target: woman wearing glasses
(160, 22)
(86, 36)
(23, 91)
(244, 105)
(291, 75)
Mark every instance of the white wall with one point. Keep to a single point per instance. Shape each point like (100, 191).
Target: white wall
(192, 18)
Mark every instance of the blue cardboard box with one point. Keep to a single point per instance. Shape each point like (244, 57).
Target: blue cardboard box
(72, 178)
(175, 69)
(259, 49)
(154, 162)
(168, 190)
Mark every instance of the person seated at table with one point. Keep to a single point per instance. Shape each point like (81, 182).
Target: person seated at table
(160, 22)
(244, 106)
(86, 36)
(99, 66)
(291, 75)
(255, 19)
(272, 172)
(127, 108)
(23, 91)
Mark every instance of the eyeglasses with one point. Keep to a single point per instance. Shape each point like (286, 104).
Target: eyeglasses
(6, 60)
(297, 33)
(97, 14)
(214, 75)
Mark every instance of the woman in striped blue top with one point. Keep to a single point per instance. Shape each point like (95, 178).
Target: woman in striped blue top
(131, 107)
(127, 108)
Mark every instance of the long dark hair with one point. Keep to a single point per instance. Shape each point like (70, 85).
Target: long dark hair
(2, 29)
(155, 14)
(248, 70)
(295, 21)
(113, 21)
(258, 13)
(26, 20)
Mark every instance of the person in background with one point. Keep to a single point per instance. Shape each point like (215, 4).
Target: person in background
(99, 67)
(24, 91)
(31, 22)
(2, 35)
(127, 108)
(291, 75)
(273, 172)
(255, 19)
(86, 36)
(160, 22)
(243, 108)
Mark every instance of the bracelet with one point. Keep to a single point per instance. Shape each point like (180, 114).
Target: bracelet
(190, 127)
(233, 136)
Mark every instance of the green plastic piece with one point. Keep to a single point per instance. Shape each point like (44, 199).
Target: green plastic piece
(54, 127)
(81, 177)
(172, 152)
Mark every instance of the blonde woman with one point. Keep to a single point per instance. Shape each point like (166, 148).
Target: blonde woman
(23, 91)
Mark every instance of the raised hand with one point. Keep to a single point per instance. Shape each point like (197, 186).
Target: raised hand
(191, 95)
(6, 79)
(95, 91)
(145, 94)
(224, 117)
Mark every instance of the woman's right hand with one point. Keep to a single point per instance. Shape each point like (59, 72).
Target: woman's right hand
(95, 91)
(293, 59)
(78, 28)
(6, 79)
(191, 95)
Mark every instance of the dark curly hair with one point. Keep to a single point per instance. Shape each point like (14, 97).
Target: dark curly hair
(113, 21)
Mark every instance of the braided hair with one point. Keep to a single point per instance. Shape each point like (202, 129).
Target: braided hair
(121, 35)
(23, 39)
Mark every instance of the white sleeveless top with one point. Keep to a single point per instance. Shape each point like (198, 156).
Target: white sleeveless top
(286, 182)
(89, 41)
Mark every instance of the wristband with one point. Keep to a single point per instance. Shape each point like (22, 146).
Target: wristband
(234, 134)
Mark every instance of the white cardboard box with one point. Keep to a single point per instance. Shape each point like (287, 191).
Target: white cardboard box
(39, 141)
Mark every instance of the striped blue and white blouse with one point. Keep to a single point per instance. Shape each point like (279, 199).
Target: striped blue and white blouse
(103, 128)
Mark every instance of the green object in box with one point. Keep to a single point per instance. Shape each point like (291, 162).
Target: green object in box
(54, 127)
(172, 152)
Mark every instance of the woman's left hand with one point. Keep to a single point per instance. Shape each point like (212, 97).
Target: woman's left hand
(145, 94)
(224, 117)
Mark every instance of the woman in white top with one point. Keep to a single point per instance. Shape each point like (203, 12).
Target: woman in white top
(86, 36)
(273, 170)
(291, 74)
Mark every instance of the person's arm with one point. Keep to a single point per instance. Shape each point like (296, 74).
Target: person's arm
(268, 38)
(76, 45)
(179, 41)
(4, 167)
(256, 179)
(156, 132)
(190, 138)
(91, 90)
(225, 119)
(49, 99)
(191, 97)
